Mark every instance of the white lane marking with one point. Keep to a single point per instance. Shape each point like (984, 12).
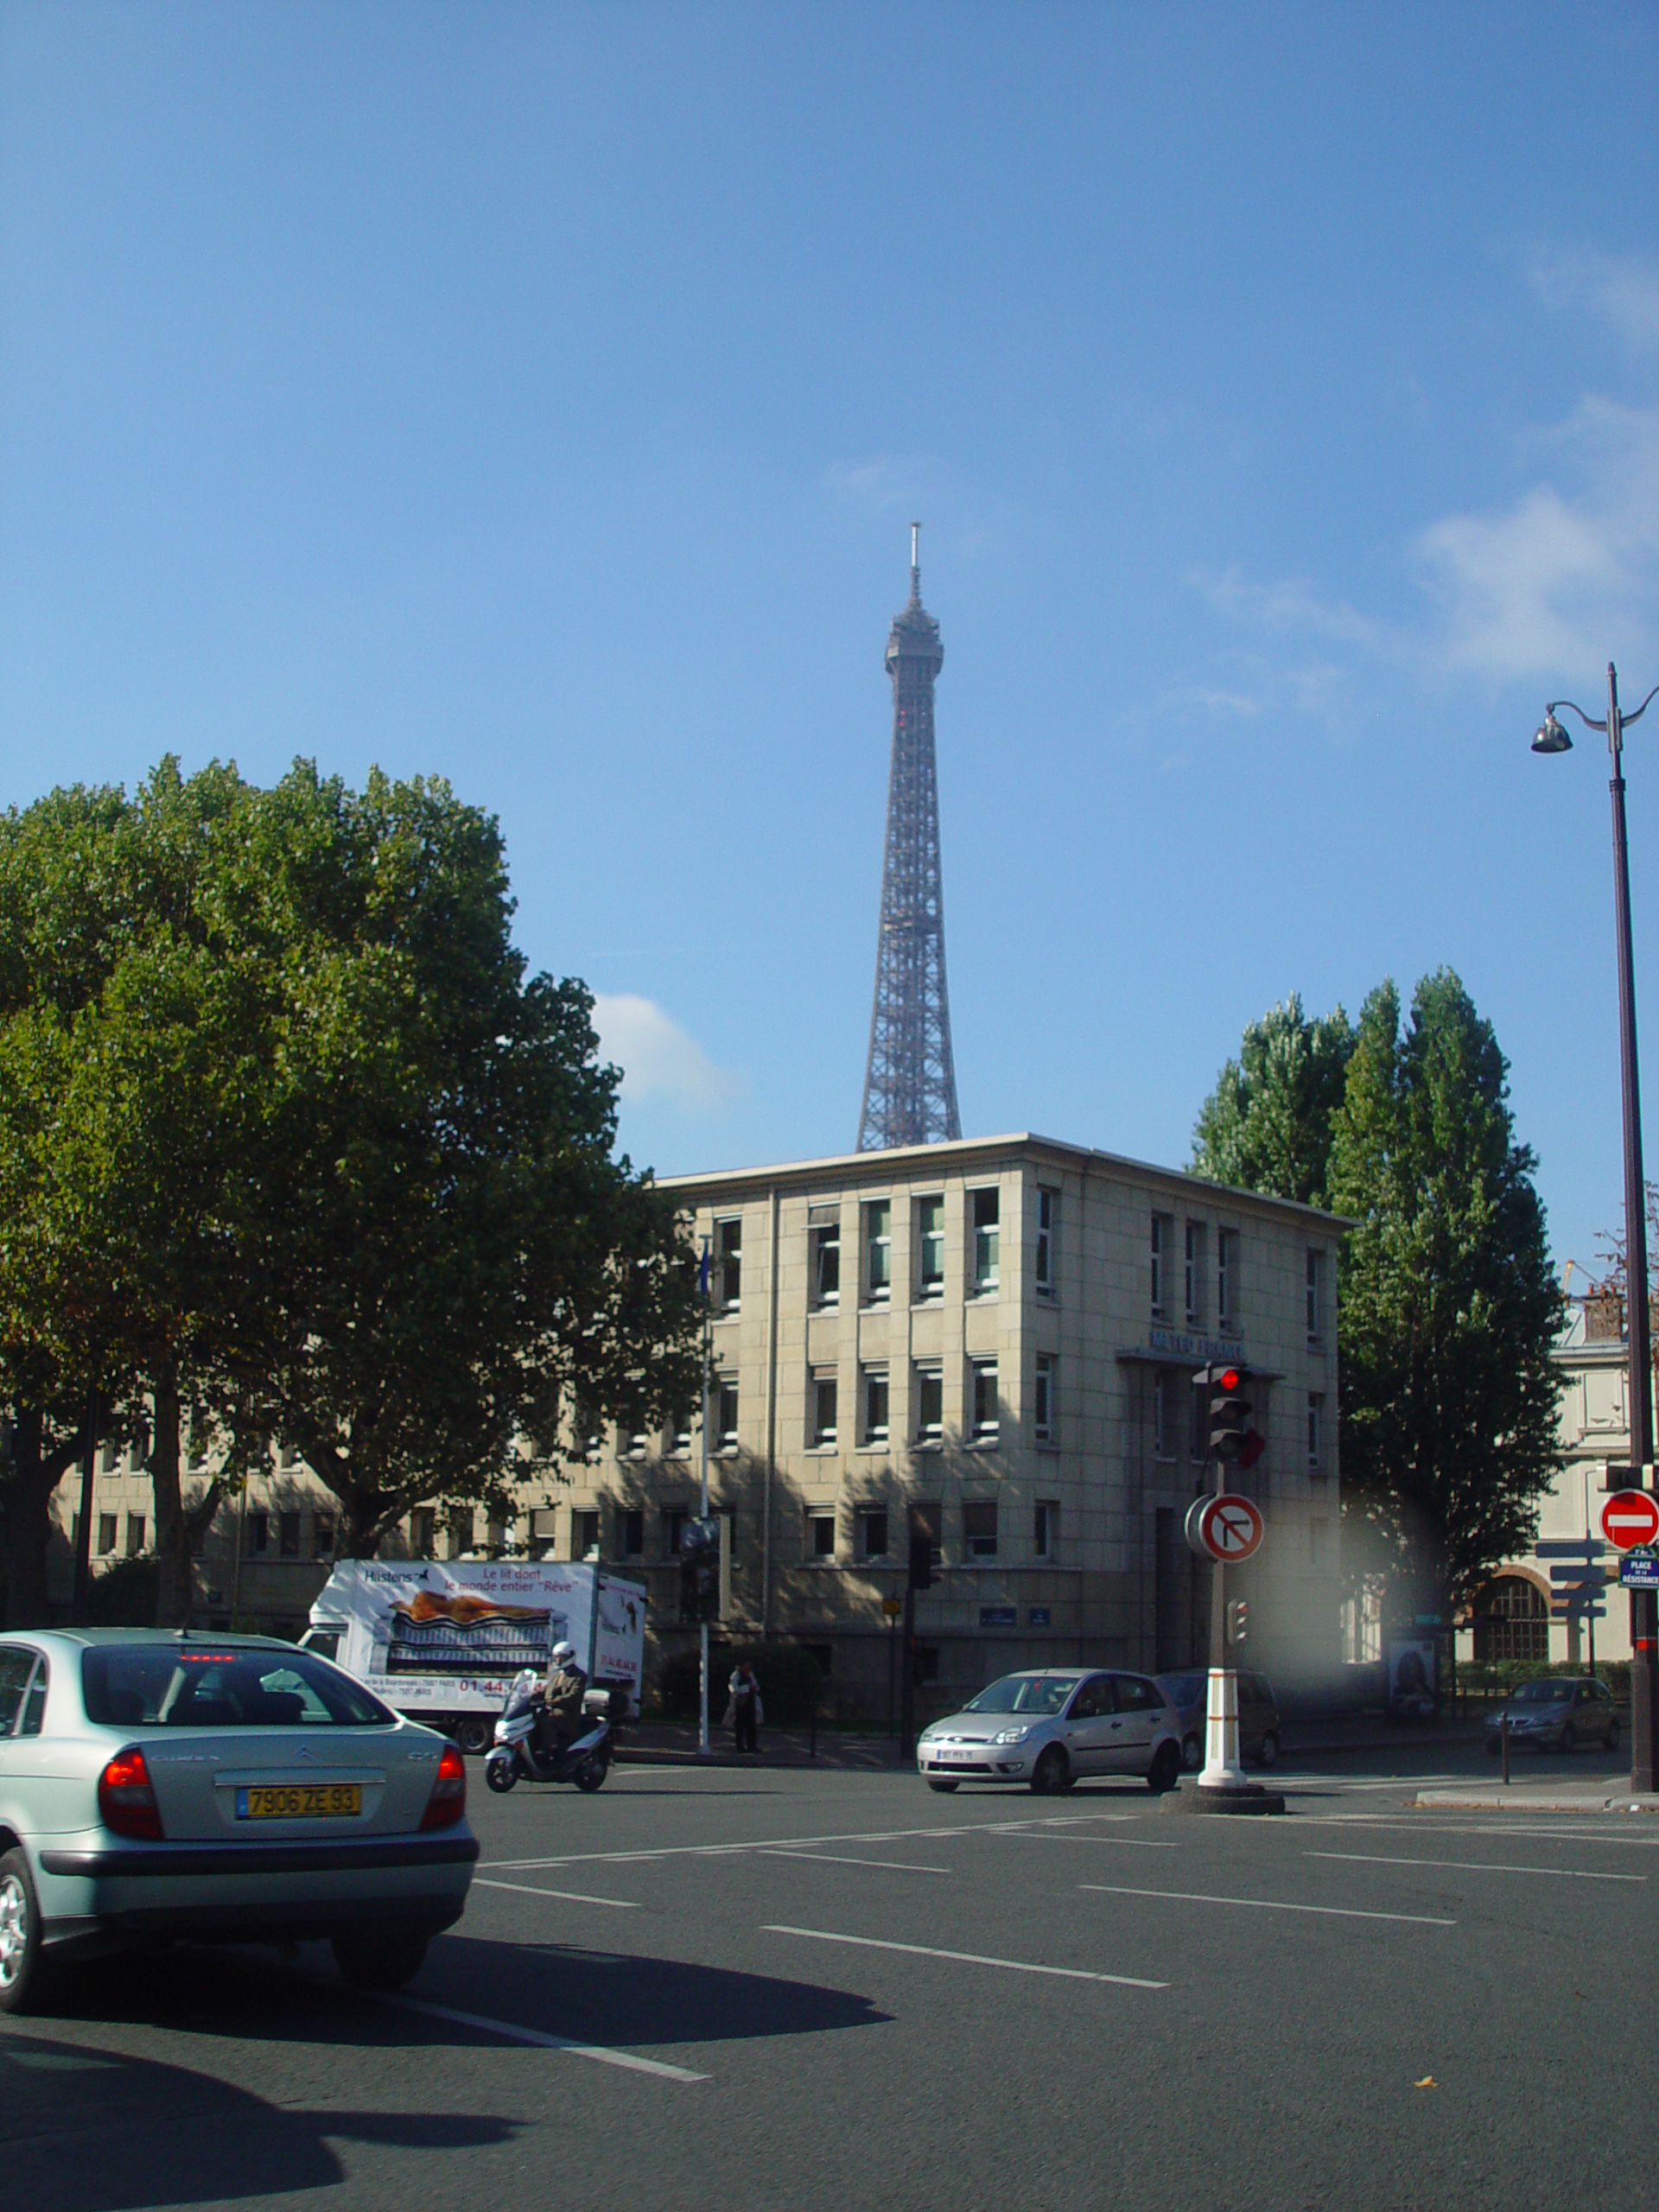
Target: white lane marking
(1124, 1842)
(570, 1897)
(781, 1842)
(834, 1859)
(601, 2052)
(962, 1958)
(1473, 1866)
(1425, 1826)
(1266, 1904)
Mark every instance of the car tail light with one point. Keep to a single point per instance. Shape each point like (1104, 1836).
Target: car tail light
(126, 1803)
(448, 1799)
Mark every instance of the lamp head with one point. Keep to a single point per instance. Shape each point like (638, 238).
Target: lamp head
(1551, 737)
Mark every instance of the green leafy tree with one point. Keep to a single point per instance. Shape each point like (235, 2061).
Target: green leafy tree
(1448, 1304)
(1267, 1124)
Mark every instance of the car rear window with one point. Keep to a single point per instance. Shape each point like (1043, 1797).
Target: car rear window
(153, 1685)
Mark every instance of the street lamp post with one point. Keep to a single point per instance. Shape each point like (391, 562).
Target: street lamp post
(1644, 1626)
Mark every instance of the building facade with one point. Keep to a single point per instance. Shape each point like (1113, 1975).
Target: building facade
(1002, 1333)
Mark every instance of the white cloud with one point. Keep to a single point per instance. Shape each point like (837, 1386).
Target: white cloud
(1623, 289)
(1548, 584)
(658, 1058)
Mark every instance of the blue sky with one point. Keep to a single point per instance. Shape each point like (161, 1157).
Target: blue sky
(538, 396)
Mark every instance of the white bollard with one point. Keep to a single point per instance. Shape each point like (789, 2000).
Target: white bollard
(1222, 1769)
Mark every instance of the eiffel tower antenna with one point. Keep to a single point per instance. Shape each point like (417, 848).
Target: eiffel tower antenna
(910, 1083)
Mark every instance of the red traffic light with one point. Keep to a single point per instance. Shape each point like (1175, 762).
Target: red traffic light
(1229, 1380)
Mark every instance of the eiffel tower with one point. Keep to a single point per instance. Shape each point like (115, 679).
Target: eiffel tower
(910, 1083)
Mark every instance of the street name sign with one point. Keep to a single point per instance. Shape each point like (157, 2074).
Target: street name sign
(1639, 1570)
(1229, 1528)
(1630, 1517)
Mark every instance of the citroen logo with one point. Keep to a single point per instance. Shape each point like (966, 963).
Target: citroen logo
(305, 1751)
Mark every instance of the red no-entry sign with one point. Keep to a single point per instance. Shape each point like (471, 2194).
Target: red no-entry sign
(1229, 1528)
(1630, 1517)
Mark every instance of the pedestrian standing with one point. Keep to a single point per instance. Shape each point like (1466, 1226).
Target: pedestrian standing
(745, 1710)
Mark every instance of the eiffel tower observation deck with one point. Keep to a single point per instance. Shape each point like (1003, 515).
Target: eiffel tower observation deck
(910, 1083)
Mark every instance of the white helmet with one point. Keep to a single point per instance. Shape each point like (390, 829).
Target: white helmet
(563, 1654)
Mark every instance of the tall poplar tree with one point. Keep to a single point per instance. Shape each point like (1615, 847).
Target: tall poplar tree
(1447, 1305)
(1267, 1124)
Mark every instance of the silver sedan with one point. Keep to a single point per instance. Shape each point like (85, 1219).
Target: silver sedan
(1050, 1727)
(231, 1788)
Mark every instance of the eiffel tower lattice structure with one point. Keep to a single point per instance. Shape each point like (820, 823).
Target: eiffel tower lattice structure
(910, 1083)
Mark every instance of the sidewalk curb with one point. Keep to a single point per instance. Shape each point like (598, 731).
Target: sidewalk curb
(1526, 1801)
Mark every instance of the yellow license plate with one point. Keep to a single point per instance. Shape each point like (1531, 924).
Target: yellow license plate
(300, 1801)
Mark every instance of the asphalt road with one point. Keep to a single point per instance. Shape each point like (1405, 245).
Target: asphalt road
(832, 1990)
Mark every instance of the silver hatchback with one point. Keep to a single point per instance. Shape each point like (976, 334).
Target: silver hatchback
(1051, 1726)
(228, 1788)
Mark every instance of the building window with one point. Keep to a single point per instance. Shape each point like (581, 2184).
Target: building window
(1226, 1276)
(109, 1458)
(323, 1535)
(1044, 1528)
(1048, 1212)
(631, 1533)
(823, 1410)
(1511, 1621)
(288, 1457)
(195, 1450)
(821, 1535)
(1042, 1401)
(584, 1533)
(873, 1532)
(1315, 1427)
(1315, 1296)
(674, 1519)
(287, 1535)
(930, 1405)
(930, 1247)
(927, 1519)
(729, 1263)
(875, 1405)
(136, 1534)
(726, 1416)
(1160, 1260)
(258, 1539)
(878, 1251)
(107, 1532)
(979, 1531)
(424, 1532)
(460, 1531)
(544, 1526)
(823, 1237)
(987, 1207)
(985, 1402)
(632, 1437)
(679, 1437)
(1193, 1273)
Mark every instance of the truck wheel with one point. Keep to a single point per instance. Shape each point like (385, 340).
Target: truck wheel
(474, 1736)
(381, 1958)
(21, 1973)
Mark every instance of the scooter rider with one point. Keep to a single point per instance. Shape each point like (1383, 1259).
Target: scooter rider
(562, 1692)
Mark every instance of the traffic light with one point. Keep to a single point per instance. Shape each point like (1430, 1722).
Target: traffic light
(1238, 1620)
(705, 1570)
(1232, 1439)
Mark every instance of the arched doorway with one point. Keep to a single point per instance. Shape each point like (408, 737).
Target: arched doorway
(1511, 1621)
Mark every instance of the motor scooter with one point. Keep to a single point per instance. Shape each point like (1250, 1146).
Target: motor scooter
(523, 1750)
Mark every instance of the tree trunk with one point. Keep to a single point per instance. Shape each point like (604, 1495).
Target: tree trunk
(172, 1526)
(36, 1470)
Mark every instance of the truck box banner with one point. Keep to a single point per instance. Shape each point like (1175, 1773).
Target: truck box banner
(436, 1634)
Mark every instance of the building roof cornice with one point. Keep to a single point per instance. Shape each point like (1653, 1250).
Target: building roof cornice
(882, 1165)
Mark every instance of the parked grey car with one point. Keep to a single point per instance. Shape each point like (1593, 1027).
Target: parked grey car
(1050, 1727)
(231, 1789)
(1258, 1715)
(1557, 1713)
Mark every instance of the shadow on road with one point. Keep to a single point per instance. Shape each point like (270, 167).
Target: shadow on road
(589, 1995)
(95, 2130)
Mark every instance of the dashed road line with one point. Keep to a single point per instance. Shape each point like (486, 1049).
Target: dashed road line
(569, 1897)
(1266, 1904)
(629, 2061)
(1473, 1866)
(836, 1859)
(961, 1958)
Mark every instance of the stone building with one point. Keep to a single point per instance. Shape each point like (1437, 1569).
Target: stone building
(1002, 1332)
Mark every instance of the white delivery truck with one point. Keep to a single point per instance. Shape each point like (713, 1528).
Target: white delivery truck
(441, 1640)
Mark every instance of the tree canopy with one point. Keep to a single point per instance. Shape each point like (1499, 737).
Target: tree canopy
(288, 1135)
(1267, 1124)
(1448, 1304)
